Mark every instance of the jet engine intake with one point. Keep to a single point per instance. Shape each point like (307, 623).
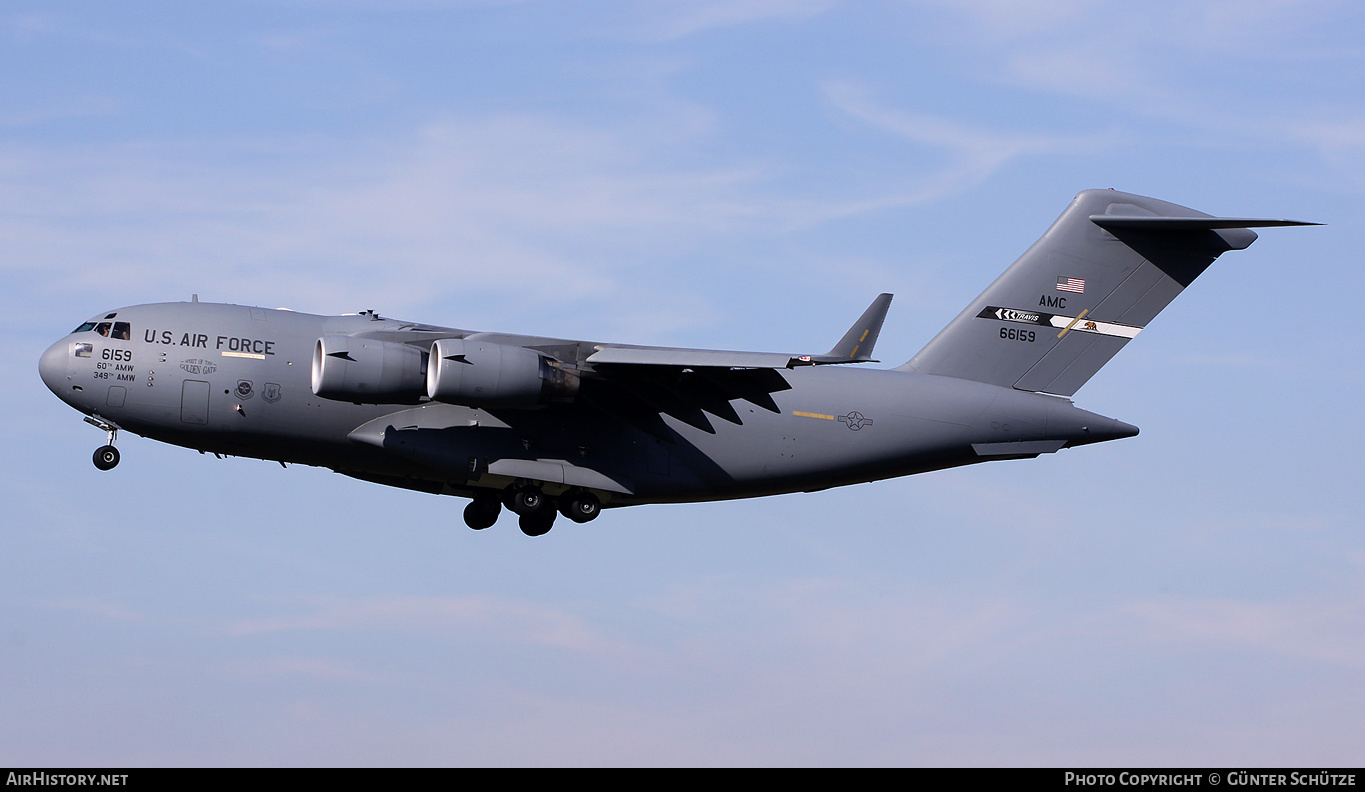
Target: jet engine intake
(485, 374)
(346, 368)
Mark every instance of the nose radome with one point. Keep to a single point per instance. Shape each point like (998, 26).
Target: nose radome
(52, 367)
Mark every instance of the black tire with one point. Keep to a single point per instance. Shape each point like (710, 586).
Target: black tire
(580, 507)
(106, 457)
(537, 524)
(481, 513)
(527, 501)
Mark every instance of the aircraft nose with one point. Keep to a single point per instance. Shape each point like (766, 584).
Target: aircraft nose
(52, 367)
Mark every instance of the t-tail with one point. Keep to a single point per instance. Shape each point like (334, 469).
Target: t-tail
(1104, 269)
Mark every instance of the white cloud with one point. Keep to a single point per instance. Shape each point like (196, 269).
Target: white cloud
(311, 667)
(679, 20)
(449, 616)
(80, 108)
(110, 611)
(549, 209)
(971, 154)
(1013, 19)
(1327, 629)
(1211, 68)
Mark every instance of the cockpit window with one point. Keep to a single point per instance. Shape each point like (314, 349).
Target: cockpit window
(82, 349)
(119, 331)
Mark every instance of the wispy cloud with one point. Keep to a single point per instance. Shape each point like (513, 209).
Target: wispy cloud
(678, 20)
(970, 154)
(1207, 68)
(110, 611)
(1323, 628)
(450, 616)
(484, 204)
(548, 209)
(1013, 19)
(320, 668)
(81, 108)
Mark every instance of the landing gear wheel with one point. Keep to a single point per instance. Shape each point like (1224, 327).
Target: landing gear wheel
(580, 506)
(482, 512)
(537, 524)
(106, 457)
(526, 501)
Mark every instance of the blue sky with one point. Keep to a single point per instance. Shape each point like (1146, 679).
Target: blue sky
(733, 174)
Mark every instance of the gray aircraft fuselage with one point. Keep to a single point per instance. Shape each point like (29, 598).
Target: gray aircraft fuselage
(172, 381)
(586, 425)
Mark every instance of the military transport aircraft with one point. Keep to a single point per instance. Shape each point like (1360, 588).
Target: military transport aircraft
(546, 426)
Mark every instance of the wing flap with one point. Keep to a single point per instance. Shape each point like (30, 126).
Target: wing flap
(689, 358)
(855, 347)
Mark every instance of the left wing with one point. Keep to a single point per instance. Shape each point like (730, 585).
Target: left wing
(854, 347)
(641, 384)
(636, 384)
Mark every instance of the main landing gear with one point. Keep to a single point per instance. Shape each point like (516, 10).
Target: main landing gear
(106, 456)
(534, 515)
(535, 510)
(482, 512)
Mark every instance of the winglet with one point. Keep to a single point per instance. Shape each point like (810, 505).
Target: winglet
(856, 345)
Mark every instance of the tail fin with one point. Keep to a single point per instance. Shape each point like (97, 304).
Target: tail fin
(1104, 269)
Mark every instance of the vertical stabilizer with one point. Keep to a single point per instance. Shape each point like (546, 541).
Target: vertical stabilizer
(1104, 269)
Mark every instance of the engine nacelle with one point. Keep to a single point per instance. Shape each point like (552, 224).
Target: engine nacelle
(484, 374)
(363, 370)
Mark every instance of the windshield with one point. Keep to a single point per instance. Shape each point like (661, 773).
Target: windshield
(119, 331)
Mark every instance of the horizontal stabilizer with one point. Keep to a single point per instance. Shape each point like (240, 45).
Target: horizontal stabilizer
(1149, 223)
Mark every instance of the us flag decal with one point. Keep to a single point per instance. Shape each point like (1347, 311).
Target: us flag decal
(1076, 285)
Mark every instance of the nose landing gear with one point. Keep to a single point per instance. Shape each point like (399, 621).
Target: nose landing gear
(106, 456)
